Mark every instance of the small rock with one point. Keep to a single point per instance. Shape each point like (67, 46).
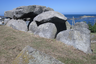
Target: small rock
(30, 55)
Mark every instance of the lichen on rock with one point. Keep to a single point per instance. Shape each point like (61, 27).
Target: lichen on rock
(31, 56)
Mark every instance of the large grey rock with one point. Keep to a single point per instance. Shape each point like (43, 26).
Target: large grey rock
(17, 24)
(46, 30)
(66, 37)
(80, 25)
(54, 17)
(30, 55)
(33, 27)
(47, 16)
(9, 14)
(78, 39)
(26, 11)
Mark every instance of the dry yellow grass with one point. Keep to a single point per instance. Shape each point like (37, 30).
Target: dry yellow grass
(13, 41)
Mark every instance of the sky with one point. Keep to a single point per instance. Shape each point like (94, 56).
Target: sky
(62, 6)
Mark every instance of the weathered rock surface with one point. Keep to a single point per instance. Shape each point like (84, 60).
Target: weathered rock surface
(76, 39)
(6, 21)
(66, 37)
(80, 25)
(54, 17)
(9, 14)
(33, 27)
(46, 30)
(68, 26)
(47, 16)
(17, 24)
(26, 11)
(35, 15)
(79, 37)
(30, 55)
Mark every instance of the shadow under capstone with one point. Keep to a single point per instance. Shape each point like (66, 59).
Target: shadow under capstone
(59, 23)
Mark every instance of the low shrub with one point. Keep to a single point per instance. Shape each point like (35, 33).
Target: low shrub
(92, 28)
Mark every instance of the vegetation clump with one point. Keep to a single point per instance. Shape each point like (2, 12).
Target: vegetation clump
(92, 28)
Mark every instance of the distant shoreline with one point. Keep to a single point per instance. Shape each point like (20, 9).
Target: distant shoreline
(82, 16)
(85, 16)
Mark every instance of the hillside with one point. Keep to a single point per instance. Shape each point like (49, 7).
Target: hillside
(13, 41)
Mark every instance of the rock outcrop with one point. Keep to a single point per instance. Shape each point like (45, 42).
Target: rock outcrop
(26, 11)
(77, 37)
(17, 24)
(30, 55)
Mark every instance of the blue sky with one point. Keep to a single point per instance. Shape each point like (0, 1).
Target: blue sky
(62, 6)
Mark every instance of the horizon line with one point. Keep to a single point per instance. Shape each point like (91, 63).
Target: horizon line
(65, 13)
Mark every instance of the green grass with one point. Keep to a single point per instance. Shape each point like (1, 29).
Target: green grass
(13, 41)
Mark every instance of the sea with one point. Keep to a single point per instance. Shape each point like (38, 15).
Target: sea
(78, 18)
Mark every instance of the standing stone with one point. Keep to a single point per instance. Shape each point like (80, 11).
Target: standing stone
(17, 24)
(46, 30)
(80, 25)
(83, 41)
(66, 37)
(77, 39)
(30, 55)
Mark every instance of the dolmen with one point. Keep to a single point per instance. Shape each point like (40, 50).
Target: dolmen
(47, 23)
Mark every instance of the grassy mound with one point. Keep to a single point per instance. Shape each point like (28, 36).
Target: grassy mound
(13, 41)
